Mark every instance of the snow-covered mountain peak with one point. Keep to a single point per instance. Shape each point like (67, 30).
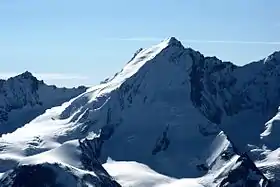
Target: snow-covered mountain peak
(172, 41)
(273, 58)
(25, 75)
(167, 50)
(153, 88)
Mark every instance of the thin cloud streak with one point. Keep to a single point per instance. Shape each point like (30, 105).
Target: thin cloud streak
(144, 39)
(46, 76)
(232, 42)
(151, 39)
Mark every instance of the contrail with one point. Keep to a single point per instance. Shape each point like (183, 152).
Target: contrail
(145, 39)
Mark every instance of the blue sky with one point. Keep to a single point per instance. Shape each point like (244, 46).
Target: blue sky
(70, 42)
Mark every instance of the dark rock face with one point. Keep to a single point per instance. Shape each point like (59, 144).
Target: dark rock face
(196, 75)
(52, 175)
(162, 142)
(25, 176)
(205, 88)
(91, 150)
(245, 174)
(3, 115)
(210, 79)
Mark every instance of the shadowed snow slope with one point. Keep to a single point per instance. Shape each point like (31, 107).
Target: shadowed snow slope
(171, 109)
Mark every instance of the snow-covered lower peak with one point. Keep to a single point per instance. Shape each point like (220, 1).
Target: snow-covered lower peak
(22, 98)
(171, 109)
(140, 175)
(270, 136)
(269, 159)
